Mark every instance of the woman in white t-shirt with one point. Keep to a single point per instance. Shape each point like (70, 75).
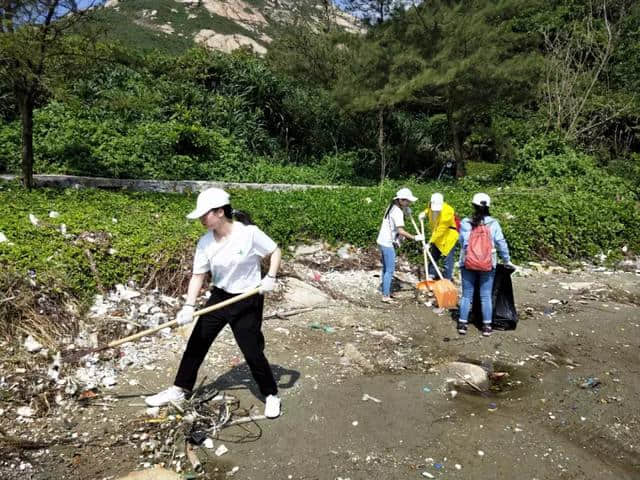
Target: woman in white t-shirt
(391, 233)
(232, 252)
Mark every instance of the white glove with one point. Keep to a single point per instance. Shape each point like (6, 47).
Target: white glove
(422, 216)
(419, 238)
(185, 315)
(267, 284)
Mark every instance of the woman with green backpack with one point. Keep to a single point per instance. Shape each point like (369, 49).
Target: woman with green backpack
(481, 239)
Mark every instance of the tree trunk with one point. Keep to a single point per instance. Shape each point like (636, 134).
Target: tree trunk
(383, 159)
(25, 104)
(456, 142)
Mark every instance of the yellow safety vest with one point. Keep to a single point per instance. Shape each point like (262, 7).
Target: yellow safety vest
(444, 233)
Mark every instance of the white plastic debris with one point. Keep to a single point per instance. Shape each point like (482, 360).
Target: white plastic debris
(208, 443)
(53, 214)
(153, 411)
(34, 220)
(3, 238)
(221, 450)
(54, 368)
(31, 345)
(480, 453)
(25, 411)
(366, 397)
(109, 381)
(427, 475)
(233, 471)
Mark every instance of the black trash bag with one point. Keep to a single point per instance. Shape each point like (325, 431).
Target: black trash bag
(505, 316)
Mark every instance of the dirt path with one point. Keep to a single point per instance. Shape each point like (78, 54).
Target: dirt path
(538, 423)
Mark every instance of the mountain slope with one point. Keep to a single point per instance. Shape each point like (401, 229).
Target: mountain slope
(174, 25)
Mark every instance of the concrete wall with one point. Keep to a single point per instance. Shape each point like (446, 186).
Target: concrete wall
(176, 186)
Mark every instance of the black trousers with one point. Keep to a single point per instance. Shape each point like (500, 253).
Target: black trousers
(245, 319)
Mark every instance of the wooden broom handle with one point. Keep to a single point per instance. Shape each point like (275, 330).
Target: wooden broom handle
(196, 314)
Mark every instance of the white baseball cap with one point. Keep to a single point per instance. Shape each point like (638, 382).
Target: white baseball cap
(207, 200)
(481, 200)
(436, 202)
(405, 194)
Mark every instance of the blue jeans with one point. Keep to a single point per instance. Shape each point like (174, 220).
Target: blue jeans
(486, 287)
(448, 262)
(388, 267)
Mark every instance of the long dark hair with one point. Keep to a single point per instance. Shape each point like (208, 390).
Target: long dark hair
(479, 212)
(393, 202)
(242, 217)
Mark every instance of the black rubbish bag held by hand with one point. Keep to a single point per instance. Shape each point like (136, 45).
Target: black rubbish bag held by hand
(505, 316)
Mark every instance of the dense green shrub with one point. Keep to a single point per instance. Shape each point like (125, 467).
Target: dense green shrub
(144, 232)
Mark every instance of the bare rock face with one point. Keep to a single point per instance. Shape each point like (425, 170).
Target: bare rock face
(228, 43)
(300, 295)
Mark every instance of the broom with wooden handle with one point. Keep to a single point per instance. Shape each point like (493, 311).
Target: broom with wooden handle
(76, 355)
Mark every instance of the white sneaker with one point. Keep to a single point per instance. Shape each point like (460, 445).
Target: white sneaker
(272, 406)
(171, 394)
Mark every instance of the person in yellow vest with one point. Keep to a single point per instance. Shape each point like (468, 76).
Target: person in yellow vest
(444, 234)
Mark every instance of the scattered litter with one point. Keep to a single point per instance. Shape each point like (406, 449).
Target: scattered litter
(152, 411)
(554, 301)
(493, 407)
(54, 368)
(31, 345)
(427, 475)
(25, 412)
(458, 466)
(233, 471)
(366, 397)
(426, 389)
(325, 328)
(221, 450)
(591, 382)
(480, 453)
(34, 220)
(3, 238)
(53, 214)
(354, 423)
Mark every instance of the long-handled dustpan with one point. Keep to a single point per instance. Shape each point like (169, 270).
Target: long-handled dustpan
(75, 355)
(444, 290)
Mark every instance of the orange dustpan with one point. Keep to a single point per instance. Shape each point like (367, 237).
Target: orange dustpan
(444, 290)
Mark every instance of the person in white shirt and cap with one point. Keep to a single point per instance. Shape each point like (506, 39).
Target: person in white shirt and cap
(232, 252)
(390, 235)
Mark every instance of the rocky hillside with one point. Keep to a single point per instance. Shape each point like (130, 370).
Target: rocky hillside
(174, 25)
